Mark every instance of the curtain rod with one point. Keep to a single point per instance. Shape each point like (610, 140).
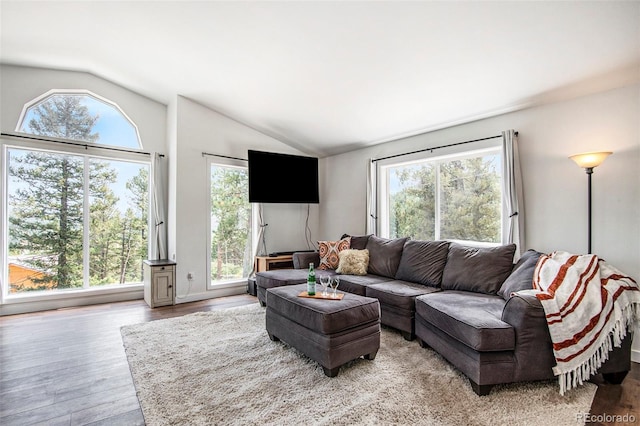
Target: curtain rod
(223, 156)
(437, 147)
(86, 146)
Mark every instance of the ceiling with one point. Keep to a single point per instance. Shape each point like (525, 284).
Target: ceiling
(328, 77)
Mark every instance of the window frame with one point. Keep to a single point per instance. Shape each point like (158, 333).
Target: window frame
(78, 92)
(87, 153)
(382, 193)
(236, 164)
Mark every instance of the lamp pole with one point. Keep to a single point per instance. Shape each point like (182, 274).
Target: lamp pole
(589, 171)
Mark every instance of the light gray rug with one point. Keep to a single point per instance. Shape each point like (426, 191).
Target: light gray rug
(216, 368)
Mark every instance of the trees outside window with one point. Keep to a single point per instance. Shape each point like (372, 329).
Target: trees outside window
(231, 256)
(74, 221)
(79, 116)
(457, 198)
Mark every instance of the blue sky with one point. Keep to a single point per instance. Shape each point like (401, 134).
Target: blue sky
(113, 127)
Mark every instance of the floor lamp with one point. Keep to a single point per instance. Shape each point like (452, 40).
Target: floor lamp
(588, 161)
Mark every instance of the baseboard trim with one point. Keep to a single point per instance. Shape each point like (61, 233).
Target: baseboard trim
(635, 355)
(241, 288)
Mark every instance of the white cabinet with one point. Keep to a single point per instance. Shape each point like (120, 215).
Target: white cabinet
(159, 282)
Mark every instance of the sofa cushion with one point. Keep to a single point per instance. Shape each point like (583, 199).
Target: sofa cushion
(358, 242)
(302, 259)
(329, 251)
(423, 262)
(397, 293)
(353, 262)
(357, 284)
(473, 319)
(282, 277)
(477, 269)
(521, 278)
(384, 255)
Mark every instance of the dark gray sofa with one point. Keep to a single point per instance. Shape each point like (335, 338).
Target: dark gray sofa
(461, 301)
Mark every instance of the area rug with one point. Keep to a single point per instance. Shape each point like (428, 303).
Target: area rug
(220, 368)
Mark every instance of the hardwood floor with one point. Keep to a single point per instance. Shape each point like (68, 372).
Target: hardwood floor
(68, 366)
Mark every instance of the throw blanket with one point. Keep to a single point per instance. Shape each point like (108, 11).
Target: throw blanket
(589, 306)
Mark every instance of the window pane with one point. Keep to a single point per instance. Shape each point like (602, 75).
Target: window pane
(230, 224)
(412, 201)
(118, 212)
(80, 117)
(470, 199)
(45, 204)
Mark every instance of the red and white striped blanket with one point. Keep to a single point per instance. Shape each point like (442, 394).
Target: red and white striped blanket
(589, 306)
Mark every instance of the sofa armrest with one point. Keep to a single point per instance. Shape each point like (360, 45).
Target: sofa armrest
(301, 260)
(534, 351)
(521, 306)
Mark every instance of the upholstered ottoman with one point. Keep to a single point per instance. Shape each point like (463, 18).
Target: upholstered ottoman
(331, 332)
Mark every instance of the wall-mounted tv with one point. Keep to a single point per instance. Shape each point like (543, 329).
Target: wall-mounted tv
(282, 178)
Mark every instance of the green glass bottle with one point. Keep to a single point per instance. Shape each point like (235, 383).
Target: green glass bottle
(311, 281)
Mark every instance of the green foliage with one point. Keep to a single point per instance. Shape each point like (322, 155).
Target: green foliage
(230, 223)
(413, 207)
(118, 239)
(46, 216)
(470, 200)
(64, 116)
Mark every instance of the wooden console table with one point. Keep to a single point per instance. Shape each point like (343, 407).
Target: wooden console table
(269, 263)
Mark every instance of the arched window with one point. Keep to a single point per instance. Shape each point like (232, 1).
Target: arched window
(79, 116)
(78, 219)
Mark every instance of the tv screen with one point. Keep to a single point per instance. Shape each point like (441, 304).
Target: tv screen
(282, 178)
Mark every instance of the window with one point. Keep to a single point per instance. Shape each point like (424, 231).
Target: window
(79, 116)
(76, 218)
(454, 197)
(232, 224)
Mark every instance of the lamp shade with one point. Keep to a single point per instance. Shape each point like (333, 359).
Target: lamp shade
(589, 160)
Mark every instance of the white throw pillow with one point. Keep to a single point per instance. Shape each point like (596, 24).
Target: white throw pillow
(353, 262)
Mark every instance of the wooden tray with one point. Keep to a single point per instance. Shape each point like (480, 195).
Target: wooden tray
(319, 295)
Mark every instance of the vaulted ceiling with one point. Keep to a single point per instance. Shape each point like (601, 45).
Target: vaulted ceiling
(327, 77)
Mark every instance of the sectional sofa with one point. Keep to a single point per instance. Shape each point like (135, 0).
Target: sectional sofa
(461, 301)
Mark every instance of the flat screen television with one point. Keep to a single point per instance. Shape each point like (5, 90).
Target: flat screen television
(282, 178)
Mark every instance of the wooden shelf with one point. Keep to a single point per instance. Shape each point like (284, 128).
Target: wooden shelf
(270, 263)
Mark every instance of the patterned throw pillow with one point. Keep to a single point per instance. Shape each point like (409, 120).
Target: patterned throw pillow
(353, 262)
(329, 251)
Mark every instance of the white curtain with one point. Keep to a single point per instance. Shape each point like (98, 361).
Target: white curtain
(513, 206)
(158, 208)
(371, 219)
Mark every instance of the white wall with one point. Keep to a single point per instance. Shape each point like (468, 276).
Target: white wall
(197, 130)
(555, 189)
(20, 85)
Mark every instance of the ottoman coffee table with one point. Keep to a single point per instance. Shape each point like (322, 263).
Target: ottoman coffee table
(330, 332)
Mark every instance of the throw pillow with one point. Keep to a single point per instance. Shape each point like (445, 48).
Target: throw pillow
(423, 262)
(384, 255)
(521, 278)
(477, 269)
(353, 262)
(329, 251)
(358, 242)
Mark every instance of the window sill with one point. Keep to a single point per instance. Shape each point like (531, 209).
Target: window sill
(18, 304)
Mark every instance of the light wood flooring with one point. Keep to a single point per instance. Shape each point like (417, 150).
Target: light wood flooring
(68, 366)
